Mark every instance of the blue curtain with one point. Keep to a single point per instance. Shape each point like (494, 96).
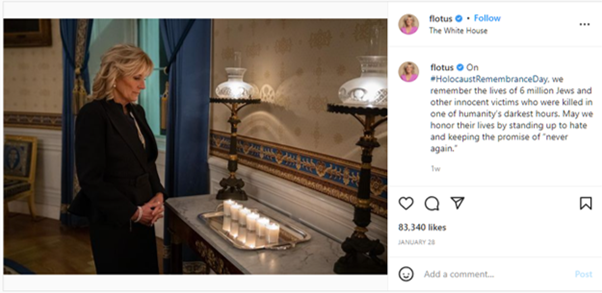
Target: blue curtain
(69, 34)
(186, 168)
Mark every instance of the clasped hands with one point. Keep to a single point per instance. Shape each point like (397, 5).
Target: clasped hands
(151, 211)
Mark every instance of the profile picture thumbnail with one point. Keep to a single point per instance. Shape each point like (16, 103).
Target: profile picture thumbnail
(408, 24)
(408, 71)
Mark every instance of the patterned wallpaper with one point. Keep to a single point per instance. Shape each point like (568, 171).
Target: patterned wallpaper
(298, 66)
(33, 77)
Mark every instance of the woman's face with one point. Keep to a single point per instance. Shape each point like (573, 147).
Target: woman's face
(409, 69)
(409, 22)
(127, 88)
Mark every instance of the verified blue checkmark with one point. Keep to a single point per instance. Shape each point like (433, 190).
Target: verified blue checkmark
(459, 18)
(460, 67)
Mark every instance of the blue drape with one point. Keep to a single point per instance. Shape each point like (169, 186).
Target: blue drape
(69, 38)
(186, 168)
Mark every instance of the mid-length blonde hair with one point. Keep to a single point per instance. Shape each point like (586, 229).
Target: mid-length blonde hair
(405, 69)
(405, 24)
(119, 61)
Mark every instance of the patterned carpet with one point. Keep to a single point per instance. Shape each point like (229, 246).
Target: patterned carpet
(13, 268)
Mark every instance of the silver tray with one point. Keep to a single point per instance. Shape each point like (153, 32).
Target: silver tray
(289, 236)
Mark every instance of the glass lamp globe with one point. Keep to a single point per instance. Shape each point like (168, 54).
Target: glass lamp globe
(370, 89)
(235, 87)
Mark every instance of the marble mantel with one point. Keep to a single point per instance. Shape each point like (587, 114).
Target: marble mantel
(316, 256)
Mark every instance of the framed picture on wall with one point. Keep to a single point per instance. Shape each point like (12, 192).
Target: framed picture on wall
(27, 33)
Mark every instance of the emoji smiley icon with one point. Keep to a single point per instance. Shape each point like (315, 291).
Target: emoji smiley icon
(406, 274)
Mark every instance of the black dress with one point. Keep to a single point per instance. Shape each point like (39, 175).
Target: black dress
(116, 174)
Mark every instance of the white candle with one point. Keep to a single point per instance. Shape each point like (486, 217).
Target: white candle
(250, 241)
(259, 242)
(234, 229)
(226, 224)
(235, 209)
(261, 224)
(242, 234)
(252, 221)
(227, 206)
(242, 216)
(273, 231)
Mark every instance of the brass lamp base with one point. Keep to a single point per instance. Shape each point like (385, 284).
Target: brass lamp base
(232, 186)
(231, 189)
(361, 253)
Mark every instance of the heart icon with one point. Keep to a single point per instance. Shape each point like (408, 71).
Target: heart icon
(406, 202)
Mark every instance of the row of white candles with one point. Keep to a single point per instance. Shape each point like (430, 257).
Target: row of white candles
(247, 226)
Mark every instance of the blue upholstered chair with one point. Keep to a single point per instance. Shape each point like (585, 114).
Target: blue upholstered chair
(20, 156)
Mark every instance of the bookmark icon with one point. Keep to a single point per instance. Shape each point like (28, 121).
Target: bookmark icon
(458, 201)
(585, 202)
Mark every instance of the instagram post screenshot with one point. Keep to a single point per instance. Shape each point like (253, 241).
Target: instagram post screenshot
(243, 146)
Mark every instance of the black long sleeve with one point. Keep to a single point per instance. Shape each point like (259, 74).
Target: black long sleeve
(90, 158)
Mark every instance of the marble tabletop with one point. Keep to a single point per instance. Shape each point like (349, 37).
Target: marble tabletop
(317, 256)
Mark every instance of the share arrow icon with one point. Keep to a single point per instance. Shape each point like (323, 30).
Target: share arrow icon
(458, 201)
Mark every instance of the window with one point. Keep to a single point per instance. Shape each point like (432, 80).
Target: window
(145, 34)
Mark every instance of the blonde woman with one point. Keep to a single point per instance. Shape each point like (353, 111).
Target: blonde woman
(115, 153)
(409, 25)
(408, 73)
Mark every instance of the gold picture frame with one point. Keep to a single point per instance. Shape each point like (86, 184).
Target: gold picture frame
(27, 33)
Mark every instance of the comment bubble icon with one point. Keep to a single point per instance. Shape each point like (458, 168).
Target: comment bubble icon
(431, 203)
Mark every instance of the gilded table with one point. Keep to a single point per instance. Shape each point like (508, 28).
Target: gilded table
(316, 256)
